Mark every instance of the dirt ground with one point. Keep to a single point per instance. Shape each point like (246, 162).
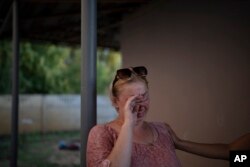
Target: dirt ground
(65, 157)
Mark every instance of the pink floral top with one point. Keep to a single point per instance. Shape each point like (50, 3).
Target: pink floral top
(161, 153)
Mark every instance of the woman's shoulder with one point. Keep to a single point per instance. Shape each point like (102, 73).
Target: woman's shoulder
(101, 130)
(159, 125)
(98, 128)
(163, 130)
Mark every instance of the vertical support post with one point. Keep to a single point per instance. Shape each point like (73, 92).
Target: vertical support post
(15, 85)
(88, 72)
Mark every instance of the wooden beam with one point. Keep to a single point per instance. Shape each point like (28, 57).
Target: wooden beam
(114, 10)
(57, 28)
(106, 43)
(53, 1)
(122, 1)
(58, 16)
(104, 29)
(7, 18)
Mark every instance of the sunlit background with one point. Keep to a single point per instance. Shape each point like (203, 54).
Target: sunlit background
(49, 117)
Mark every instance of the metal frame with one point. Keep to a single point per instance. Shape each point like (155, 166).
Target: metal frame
(88, 72)
(15, 85)
(88, 77)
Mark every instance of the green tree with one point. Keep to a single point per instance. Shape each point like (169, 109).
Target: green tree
(5, 70)
(46, 68)
(108, 61)
(53, 69)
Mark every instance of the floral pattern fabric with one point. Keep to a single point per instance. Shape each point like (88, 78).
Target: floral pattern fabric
(161, 153)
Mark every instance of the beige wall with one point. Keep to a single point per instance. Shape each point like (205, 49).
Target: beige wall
(199, 69)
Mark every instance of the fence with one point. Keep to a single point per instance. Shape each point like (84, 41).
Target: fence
(45, 113)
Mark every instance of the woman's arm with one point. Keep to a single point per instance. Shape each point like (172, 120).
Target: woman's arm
(242, 143)
(120, 156)
(216, 150)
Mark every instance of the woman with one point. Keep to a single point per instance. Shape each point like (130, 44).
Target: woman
(131, 141)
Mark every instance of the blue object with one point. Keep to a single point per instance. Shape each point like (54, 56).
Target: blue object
(62, 145)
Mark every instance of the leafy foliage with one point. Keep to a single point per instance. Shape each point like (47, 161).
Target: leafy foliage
(5, 70)
(108, 62)
(52, 69)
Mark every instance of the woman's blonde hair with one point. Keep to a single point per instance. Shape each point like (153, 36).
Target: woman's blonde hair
(115, 87)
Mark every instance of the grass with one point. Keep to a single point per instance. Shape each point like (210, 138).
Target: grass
(40, 150)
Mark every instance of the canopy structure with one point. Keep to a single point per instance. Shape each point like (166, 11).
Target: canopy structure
(59, 21)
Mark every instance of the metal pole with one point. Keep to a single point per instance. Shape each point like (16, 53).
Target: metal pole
(88, 72)
(15, 84)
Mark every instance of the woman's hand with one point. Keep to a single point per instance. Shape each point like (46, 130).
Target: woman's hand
(216, 150)
(130, 109)
(122, 150)
(175, 138)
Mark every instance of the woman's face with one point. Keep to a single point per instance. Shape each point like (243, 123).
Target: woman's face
(138, 89)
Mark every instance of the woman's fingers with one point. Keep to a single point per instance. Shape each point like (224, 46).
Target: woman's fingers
(129, 113)
(136, 108)
(131, 103)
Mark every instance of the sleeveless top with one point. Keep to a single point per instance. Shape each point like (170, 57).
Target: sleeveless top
(161, 153)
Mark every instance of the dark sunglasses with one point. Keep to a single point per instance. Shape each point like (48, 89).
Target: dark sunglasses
(126, 73)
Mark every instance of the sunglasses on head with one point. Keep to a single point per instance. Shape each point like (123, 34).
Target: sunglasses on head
(126, 73)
